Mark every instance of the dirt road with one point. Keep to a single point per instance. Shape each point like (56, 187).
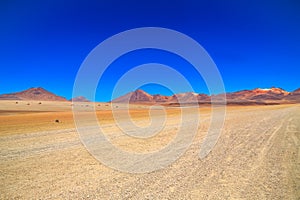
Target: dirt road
(256, 157)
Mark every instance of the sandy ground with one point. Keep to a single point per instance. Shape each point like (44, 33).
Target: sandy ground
(257, 155)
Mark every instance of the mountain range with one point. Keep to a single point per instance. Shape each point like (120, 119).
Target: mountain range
(256, 96)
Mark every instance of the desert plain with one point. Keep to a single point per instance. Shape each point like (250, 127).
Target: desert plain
(257, 155)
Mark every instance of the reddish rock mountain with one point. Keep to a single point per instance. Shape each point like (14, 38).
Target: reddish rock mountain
(80, 99)
(39, 94)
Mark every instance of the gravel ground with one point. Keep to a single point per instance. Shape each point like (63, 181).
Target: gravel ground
(256, 157)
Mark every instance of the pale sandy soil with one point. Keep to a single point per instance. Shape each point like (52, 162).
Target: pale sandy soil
(256, 157)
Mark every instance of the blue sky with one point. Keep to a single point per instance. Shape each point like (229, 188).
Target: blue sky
(253, 43)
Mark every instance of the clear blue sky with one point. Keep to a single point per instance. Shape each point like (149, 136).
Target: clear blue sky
(254, 43)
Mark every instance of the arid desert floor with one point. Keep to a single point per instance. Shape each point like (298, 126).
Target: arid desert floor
(256, 157)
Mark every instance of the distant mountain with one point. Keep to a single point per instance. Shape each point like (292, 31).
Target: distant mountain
(138, 96)
(293, 96)
(162, 99)
(191, 97)
(256, 96)
(296, 91)
(39, 94)
(80, 99)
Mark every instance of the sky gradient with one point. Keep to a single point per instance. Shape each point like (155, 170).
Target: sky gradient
(253, 43)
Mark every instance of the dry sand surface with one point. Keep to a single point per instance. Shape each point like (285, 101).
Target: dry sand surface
(257, 155)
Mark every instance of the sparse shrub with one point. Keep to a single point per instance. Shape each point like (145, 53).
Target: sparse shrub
(17, 102)
(40, 102)
(57, 121)
(28, 104)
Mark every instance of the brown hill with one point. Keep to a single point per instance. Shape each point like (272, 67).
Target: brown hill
(80, 99)
(39, 94)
